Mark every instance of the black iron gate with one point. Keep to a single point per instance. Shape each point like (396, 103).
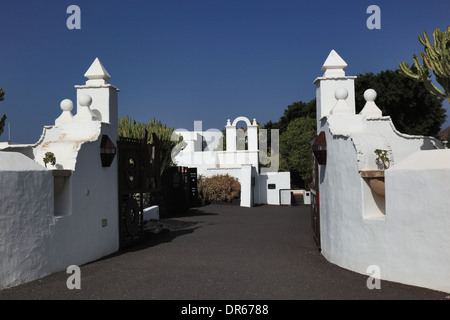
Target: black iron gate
(315, 204)
(138, 172)
(319, 149)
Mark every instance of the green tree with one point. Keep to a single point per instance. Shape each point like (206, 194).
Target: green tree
(435, 58)
(293, 111)
(130, 128)
(295, 150)
(412, 108)
(3, 119)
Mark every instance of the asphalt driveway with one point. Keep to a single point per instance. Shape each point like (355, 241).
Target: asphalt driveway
(221, 252)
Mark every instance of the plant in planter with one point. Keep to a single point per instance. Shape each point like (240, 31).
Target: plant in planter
(49, 158)
(383, 158)
(376, 177)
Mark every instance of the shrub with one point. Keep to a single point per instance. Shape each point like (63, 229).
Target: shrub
(219, 188)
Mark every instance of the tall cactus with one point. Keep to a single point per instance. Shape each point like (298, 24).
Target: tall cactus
(3, 119)
(130, 128)
(435, 58)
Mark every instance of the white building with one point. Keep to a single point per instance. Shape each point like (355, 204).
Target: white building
(241, 159)
(403, 229)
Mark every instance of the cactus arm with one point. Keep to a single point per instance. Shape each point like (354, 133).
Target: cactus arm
(2, 123)
(404, 67)
(436, 57)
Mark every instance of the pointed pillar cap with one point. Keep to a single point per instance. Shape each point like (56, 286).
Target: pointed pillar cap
(334, 65)
(97, 73)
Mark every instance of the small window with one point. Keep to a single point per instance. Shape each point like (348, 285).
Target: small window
(271, 186)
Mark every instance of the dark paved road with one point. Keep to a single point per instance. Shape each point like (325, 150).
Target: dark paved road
(221, 253)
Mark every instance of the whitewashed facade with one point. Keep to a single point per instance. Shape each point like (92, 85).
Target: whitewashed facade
(65, 214)
(403, 232)
(241, 159)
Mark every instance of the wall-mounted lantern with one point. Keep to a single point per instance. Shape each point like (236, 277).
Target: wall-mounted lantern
(107, 151)
(319, 148)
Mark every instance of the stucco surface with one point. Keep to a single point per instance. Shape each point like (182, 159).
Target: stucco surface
(26, 219)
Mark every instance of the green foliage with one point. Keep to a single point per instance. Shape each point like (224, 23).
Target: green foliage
(130, 128)
(296, 126)
(383, 158)
(295, 150)
(3, 119)
(436, 57)
(294, 111)
(49, 158)
(412, 108)
(219, 188)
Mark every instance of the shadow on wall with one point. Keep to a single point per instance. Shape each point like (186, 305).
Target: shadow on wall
(263, 191)
(427, 145)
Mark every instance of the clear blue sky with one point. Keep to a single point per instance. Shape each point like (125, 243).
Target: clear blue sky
(185, 60)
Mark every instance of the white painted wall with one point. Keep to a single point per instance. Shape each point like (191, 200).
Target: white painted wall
(405, 233)
(346, 238)
(282, 180)
(26, 219)
(246, 186)
(79, 236)
(203, 148)
(403, 144)
(241, 164)
(41, 232)
(418, 220)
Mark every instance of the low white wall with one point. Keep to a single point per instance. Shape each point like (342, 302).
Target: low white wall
(418, 220)
(408, 238)
(26, 219)
(41, 234)
(281, 180)
(234, 172)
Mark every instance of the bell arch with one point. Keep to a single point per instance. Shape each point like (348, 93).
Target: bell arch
(252, 134)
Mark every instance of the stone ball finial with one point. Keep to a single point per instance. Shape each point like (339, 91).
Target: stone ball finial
(85, 100)
(370, 95)
(341, 107)
(341, 94)
(66, 105)
(371, 110)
